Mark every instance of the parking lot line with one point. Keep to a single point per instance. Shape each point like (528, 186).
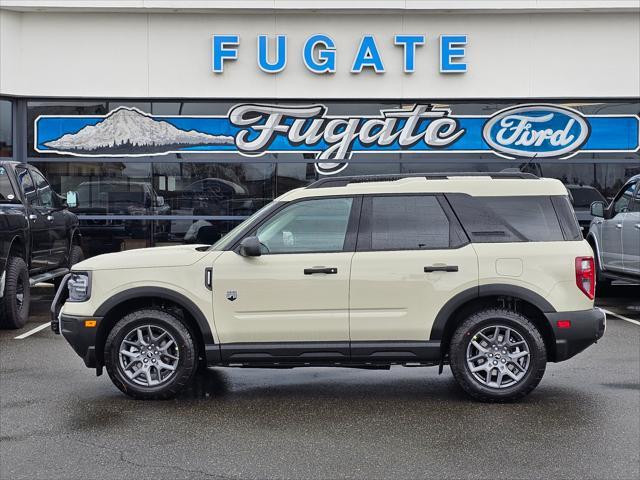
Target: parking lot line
(32, 331)
(621, 317)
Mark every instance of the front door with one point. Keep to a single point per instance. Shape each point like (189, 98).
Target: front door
(293, 300)
(631, 237)
(411, 258)
(611, 248)
(57, 226)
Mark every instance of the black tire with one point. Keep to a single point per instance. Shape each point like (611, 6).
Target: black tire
(602, 283)
(488, 318)
(187, 358)
(14, 313)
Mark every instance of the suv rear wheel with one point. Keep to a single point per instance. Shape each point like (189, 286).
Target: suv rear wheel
(497, 355)
(150, 354)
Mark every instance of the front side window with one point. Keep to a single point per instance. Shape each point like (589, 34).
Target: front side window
(621, 203)
(318, 225)
(27, 186)
(44, 190)
(411, 222)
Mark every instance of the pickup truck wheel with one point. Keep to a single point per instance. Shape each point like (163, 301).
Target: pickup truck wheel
(75, 256)
(15, 302)
(150, 354)
(497, 355)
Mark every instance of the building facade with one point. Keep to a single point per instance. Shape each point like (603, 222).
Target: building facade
(174, 120)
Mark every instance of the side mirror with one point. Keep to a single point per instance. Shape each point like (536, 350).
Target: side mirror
(159, 201)
(250, 247)
(597, 209)
(72, 199)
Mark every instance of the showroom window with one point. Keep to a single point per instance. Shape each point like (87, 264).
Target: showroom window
(6, 130)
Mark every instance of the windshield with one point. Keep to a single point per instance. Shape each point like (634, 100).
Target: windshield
(585, 196)
(225, 241)
(6, 191)
(96, 193)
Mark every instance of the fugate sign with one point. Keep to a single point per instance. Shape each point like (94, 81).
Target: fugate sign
(523, 131)
(320, 51)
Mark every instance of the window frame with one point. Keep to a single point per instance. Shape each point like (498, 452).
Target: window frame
(26, 200)
(620, 195)
(364, 241)
(351, 234)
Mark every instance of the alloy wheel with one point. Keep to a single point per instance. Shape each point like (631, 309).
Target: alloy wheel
(149, 355)
(498, 356)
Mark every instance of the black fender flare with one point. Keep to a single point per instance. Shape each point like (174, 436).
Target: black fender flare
(489, 290)
(212, 350)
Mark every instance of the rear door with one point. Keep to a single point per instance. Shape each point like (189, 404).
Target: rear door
(38, 223)
(411, 258)
(631, 236)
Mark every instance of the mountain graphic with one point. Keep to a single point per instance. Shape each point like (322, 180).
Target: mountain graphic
(127, 130)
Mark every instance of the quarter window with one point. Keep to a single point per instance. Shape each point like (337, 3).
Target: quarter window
(411, 222)
(318, 225)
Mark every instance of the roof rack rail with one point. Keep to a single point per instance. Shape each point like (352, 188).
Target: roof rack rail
(344, 181)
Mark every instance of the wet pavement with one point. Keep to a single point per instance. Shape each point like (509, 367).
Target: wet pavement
(58, 420)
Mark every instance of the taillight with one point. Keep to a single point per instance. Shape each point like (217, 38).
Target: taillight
(586, 276)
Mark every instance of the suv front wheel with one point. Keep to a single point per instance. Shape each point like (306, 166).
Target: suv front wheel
(497, 355)
(150, 354)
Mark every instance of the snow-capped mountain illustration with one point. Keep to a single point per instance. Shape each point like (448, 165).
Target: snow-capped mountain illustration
(129, 130)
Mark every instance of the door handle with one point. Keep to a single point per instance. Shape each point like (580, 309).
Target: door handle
(327, 270)
(33, 217)
(637, 225)
(441, 268)
(618, 225)
(50, 218)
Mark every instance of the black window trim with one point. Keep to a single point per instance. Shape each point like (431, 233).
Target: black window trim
(351, 234)
(32, 172)
(364, 232)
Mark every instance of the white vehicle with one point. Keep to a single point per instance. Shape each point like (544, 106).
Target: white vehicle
(614, 234)
(487, 273)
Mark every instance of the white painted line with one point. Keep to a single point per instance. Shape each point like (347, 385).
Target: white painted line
(32, 331)
(620, 317)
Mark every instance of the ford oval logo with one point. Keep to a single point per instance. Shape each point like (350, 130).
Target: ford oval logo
(536, 131)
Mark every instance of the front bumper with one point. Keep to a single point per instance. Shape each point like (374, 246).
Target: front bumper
(74, 328)
(587, 327)
(81, 337)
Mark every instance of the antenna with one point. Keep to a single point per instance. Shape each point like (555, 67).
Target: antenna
(525, 165)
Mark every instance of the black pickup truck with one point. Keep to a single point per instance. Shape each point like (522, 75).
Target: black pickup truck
(39, 238)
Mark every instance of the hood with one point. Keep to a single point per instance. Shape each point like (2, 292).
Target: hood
(174, 256)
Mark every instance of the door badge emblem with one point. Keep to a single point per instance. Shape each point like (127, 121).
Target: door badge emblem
(232, 295)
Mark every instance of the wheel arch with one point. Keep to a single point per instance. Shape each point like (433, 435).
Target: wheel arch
(113, 309)
(512, 297)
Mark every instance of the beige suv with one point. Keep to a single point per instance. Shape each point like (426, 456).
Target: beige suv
(487, 273)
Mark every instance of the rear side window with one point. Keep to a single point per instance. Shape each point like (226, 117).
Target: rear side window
(566, 215)
(508, 219)
(7, 194)
(407, 222)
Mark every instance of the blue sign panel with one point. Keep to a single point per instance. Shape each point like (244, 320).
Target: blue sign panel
(525, 131)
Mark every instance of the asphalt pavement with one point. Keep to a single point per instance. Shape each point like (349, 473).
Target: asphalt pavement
(58, 420)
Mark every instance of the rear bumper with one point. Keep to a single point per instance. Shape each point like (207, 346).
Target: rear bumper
(587, 327)
(81, 337)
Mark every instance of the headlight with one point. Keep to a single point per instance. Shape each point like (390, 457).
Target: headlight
(79, 286)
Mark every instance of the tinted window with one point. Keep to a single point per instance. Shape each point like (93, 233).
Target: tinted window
(27, 186)
(44, 189)
(507, 219)
(7, 194)
(623, 200)
(308, 226)
(567, 217)
(635, 206)
(411, 222)
(583, 197)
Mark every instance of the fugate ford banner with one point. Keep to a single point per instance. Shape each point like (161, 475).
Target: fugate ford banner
(523, 131)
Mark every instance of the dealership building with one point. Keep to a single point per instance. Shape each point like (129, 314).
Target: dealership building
(167, 116)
